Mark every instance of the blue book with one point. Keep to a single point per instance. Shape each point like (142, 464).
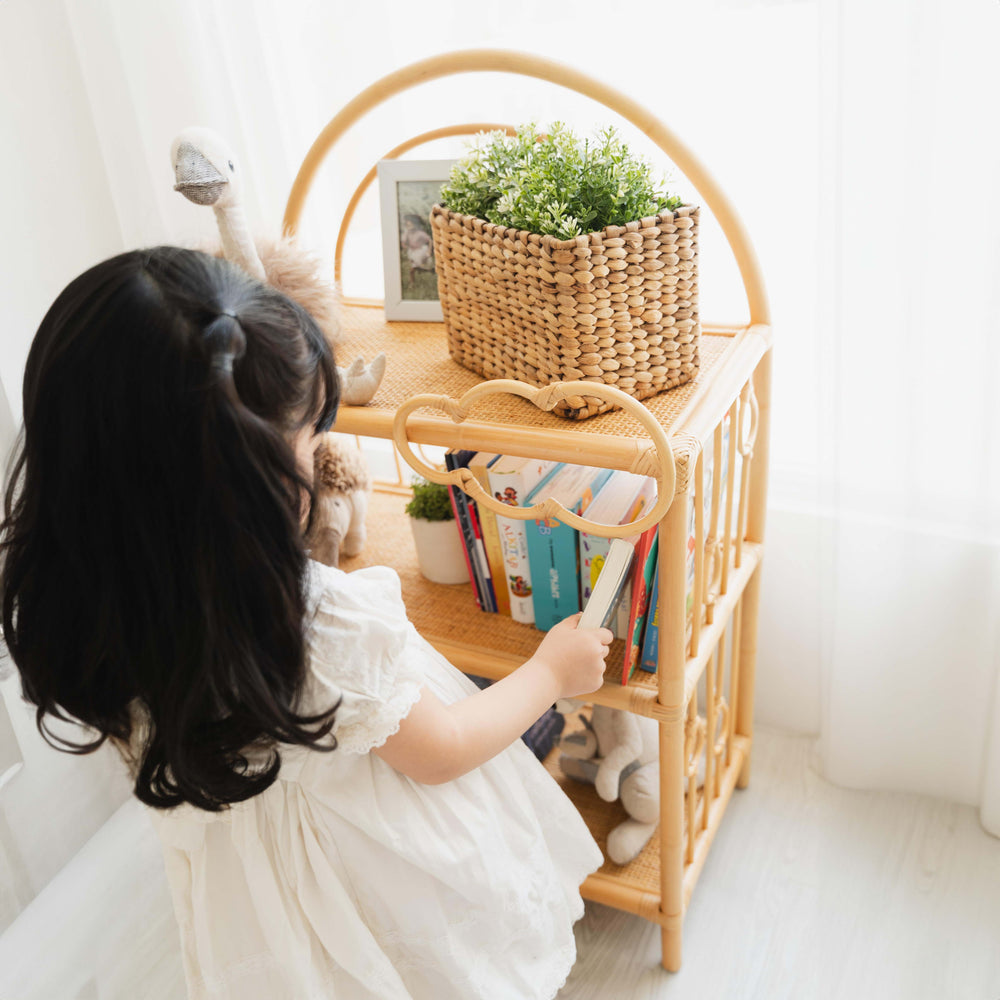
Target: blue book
(553, 548)
(651, 644)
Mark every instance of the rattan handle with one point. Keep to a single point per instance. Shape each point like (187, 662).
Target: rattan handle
(522, 64)
(746, 444)
(545, 398)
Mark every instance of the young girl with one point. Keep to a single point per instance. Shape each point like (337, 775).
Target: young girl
(344, 814)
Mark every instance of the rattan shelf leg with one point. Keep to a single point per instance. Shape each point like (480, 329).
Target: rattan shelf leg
(749, 608)
(670, 694)
(755, 533)
(670, 942)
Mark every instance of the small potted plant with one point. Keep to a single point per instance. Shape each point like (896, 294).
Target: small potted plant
(440, 555)
(563, 260)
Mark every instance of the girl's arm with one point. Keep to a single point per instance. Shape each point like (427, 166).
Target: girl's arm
(438, 743)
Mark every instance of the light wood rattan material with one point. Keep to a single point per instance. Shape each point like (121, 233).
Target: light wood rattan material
(618, 306)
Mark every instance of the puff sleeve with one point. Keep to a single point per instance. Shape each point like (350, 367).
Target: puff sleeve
(357, 641)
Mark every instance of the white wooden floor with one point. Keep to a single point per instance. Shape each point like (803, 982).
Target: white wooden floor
(811, 892)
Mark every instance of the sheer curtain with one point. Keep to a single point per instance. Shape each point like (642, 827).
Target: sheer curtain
(909, 343)
(854, 139)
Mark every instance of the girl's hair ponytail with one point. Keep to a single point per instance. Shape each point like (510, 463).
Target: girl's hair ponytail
(153, 581)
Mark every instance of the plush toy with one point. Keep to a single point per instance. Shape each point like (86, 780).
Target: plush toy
(342, 485)
(617, 752)
(207, 172)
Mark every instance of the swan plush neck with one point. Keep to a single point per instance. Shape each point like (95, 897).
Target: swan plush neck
(236, 242)
(207, 172)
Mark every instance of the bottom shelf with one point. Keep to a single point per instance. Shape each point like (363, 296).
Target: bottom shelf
(636, 887)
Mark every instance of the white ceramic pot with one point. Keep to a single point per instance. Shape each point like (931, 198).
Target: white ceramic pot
(440, 553)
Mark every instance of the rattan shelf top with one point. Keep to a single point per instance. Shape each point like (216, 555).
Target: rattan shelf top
(418, 363)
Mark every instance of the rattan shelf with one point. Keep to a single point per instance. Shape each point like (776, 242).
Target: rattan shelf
(492, 645)
(419, 363)
(706, 444)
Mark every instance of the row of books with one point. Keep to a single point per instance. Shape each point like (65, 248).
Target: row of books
(541, 571)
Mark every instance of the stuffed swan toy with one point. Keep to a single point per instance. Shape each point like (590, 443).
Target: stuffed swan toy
(207, 172)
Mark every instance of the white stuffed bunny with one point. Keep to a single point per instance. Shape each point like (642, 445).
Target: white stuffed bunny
(617, 752)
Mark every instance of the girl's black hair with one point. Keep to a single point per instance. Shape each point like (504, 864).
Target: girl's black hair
(153, 566)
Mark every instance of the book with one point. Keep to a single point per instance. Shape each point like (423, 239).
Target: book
(511, 479)
(642, 581)
(481, 560)
(465, 533)
(608, 586)
(651, 641)
(622, 499)
(553, 548)
(490, 533)
(467, 517)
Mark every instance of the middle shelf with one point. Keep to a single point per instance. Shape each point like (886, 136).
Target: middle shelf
(492, 645)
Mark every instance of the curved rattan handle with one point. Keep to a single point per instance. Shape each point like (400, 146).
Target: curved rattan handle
(746, 443)
(545, 398)
(500, 61)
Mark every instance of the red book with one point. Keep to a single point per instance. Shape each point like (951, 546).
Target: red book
(643, 569)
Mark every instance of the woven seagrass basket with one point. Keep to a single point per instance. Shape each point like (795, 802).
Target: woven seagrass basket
(619, 306)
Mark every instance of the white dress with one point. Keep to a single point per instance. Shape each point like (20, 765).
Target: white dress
(345, 879)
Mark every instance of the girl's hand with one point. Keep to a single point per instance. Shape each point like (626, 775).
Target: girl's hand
(574, 657)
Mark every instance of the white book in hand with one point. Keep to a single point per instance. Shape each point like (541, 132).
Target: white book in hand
(608, 588)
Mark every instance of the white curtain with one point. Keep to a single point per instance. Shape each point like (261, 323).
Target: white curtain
(909, 342)
(857, 140)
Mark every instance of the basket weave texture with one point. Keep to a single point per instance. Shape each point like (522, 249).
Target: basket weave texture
(619, 306)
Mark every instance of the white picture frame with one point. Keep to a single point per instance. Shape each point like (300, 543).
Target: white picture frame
(407, 189)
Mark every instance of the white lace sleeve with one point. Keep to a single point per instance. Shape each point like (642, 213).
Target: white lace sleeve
(357, 644)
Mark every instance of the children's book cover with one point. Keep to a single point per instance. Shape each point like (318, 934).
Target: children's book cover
(623, 498)
(511, 480)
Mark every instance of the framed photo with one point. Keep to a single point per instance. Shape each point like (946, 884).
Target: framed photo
(408, 190)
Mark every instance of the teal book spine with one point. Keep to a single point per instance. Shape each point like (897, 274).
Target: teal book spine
(554, 552)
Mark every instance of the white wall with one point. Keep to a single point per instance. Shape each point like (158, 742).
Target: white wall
(58, 218)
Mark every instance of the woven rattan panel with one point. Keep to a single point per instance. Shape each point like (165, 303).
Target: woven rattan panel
(418, 362)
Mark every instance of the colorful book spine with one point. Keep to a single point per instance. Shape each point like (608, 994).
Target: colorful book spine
(467, 518)
(466, 544)
(511, 480)
(490, 533)
(651, 641)
(622, 499)
(486, 574)
(642, 581)
(553, 547)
